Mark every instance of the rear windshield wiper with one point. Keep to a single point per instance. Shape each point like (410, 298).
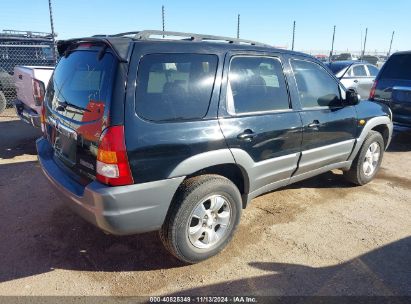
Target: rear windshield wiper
(64, 104)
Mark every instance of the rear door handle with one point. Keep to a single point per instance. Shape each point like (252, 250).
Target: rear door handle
(356, 81)
(314, 124)
(247, 134)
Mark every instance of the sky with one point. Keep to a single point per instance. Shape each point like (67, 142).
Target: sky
(266, 21)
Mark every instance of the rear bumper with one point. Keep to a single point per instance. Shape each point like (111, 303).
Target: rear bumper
(27, 114)
(117, 210)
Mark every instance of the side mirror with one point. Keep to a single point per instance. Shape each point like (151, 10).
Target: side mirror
(351, 98)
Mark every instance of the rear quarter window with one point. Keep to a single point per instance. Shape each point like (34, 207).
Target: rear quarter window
(175, 86)
(397, 67)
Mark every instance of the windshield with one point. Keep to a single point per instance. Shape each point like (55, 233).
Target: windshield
(81, 88)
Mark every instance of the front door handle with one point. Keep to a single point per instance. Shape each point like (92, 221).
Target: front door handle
(314, 124)
(247, 134)
(356, 81)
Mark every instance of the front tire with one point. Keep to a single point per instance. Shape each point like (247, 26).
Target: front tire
(368, 160)
(202, 218)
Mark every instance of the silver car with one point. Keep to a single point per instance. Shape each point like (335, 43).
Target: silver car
(356, 75)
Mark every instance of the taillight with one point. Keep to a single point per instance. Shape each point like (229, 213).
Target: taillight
(372, 92)
(43, 118)
(112, 162)
(38, 92)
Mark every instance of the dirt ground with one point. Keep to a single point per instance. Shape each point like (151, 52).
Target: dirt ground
(318, 237)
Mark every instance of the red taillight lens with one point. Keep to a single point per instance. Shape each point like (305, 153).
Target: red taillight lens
(43, 118)
(372, 92)
(112, 161)
(38, 92)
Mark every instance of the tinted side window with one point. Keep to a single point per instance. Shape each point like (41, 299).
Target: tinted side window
(373, 70)
(397, 67)
(359, 71)
(316, 87)
(256, 84)
(175, 86)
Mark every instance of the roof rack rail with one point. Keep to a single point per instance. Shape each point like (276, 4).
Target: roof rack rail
(146, 34)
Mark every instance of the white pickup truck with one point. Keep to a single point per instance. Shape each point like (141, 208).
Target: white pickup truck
(31, 83)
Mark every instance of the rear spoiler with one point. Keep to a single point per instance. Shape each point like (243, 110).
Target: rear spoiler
(119, 45)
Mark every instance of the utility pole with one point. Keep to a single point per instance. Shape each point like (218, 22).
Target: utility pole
(52, 32)
(332, 44)
(238, 26)
(292, 45)
(392, 38)
(162, 18)
(365, 42)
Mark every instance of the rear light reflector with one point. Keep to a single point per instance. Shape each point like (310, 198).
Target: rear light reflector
(112, 162)
(108, 170)
(372, 92)
(38, 92)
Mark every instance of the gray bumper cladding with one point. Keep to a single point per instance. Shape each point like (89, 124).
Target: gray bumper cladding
(118, 210)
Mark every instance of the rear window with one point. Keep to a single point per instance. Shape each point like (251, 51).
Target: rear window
(397, 67)
(336, 67)
(175, 86)
(82, 84)
(359, 71)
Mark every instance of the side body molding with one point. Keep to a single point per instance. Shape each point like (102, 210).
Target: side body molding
(201, 161)
(266, 172)
(372, 123)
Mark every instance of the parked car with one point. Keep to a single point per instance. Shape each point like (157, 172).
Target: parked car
(143, 133)
(393, 87)
(370, 59)
(322, 58)
(21, 48)
(31, 83)
(355, 75)
(343, 57)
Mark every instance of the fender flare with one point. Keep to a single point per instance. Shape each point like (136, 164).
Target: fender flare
(372, 123)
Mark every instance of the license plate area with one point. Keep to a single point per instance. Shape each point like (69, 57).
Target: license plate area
(65, 148)
(64, 143)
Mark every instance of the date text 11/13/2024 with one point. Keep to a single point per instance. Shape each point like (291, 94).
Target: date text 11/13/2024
(203, 299)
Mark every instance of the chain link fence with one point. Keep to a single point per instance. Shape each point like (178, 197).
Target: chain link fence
(19, 48)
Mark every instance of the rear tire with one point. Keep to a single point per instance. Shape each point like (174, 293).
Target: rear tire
(202, 218)
(368, 160)
(3, 102)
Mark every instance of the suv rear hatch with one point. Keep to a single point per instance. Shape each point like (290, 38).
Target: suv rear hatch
(393, 87)
(77, 108)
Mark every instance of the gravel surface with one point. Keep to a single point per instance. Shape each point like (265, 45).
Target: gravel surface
(318, 237)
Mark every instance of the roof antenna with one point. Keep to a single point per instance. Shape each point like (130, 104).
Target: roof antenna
(163, 18)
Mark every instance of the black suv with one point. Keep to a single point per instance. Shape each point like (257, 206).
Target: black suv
(393, 87)
(143, 133)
